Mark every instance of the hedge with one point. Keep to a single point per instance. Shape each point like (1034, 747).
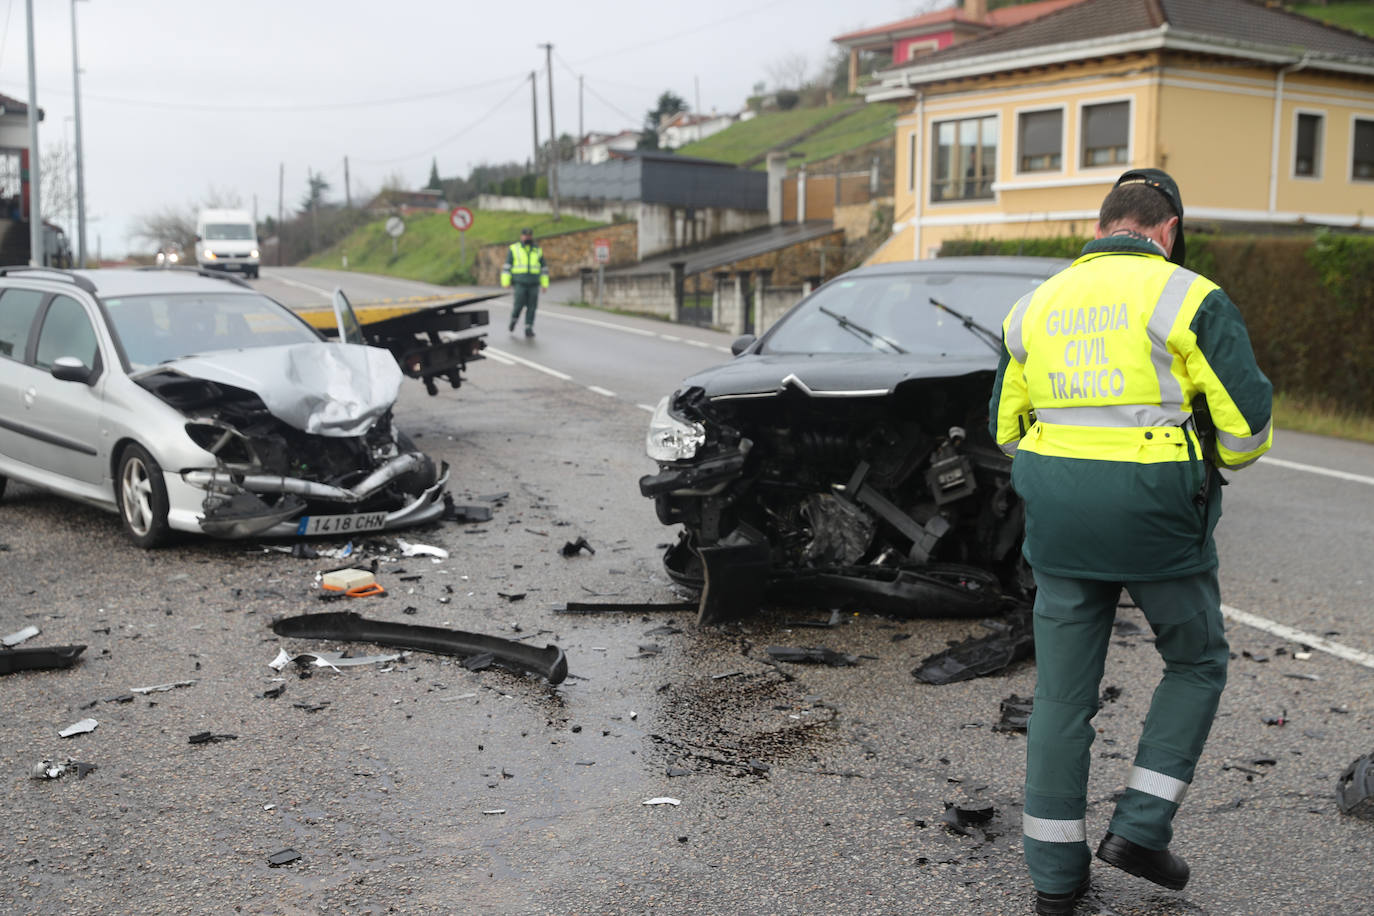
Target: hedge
(1308, 302)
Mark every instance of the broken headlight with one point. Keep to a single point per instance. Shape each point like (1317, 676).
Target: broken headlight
(670, 439)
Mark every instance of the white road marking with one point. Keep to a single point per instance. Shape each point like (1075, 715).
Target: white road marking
(1313, 469)
(670, 337)
(1295, 635)
(327, 293)
(531, 364)
(646, 407)
(499, 357)
(601, 324)
(597, 389)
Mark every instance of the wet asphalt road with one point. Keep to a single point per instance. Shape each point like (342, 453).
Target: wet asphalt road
(808, 790)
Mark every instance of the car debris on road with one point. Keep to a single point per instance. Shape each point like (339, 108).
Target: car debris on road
(549, 663)
(38, 658)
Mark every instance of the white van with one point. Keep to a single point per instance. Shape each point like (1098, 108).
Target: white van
(227, 240)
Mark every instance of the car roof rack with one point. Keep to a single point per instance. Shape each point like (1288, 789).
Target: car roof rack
(199, 271)
(56, 272)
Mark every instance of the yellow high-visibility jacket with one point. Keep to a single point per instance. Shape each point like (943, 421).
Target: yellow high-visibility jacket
(1100, 368)
(525, 266)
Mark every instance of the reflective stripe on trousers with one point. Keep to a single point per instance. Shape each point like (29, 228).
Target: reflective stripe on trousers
(1159, 785)
(1047, 830)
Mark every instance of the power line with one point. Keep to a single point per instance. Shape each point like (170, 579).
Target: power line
(598, 96)
(323, 106)
(449, 139)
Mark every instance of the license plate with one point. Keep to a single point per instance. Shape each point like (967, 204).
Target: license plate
(341, 524)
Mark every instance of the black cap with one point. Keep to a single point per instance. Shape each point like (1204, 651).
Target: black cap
(527, 231)
(1161, 182)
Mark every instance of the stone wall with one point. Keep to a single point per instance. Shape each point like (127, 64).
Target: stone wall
(821, 257)
(646, 294)
(566, 253)
(857, 219)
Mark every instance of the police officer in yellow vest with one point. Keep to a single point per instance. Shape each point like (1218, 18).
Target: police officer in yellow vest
(1103, 367)
(526, 271)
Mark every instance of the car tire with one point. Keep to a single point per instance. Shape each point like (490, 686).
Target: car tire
(142, 496)
(3, 481)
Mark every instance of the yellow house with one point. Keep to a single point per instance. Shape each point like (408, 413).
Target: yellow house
(1263, 117)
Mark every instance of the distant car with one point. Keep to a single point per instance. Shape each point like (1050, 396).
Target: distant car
(196, 404)
(843, 458)
(169, 255)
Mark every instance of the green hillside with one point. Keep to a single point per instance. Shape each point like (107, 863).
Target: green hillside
(428, 251)
(1358, 17)
(749, 139)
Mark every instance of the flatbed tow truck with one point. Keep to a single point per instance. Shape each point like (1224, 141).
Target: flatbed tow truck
(432, 337)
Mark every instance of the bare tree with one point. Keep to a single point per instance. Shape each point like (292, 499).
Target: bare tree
(171, 224)
(789, 71)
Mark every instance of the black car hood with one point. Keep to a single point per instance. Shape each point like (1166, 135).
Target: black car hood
(832, 373)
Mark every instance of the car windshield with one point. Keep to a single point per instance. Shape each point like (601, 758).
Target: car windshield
(157, 328)
(892, 313)
(219, 232)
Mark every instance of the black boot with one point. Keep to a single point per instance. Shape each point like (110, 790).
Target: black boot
(1158, 865)
(529, 330)
(1059, 904)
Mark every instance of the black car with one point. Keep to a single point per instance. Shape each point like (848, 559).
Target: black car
(843, 458)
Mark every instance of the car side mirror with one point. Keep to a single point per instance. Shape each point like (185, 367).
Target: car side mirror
(199, 239)
(71, 369)
(742, 343)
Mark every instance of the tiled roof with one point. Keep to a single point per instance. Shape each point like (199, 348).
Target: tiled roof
(933, 22)
(1227, 20)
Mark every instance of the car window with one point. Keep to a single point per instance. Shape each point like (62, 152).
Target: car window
(66, 331)
(156, 328)
(17, 308)
(891, 313)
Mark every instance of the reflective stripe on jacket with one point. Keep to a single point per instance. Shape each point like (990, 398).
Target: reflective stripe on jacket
(525, 264)
(1100, 367)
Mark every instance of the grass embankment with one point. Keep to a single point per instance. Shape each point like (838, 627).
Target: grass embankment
(747, 139)
(867, 125)
(428, 251)
(1306, 415)
(1358, 17)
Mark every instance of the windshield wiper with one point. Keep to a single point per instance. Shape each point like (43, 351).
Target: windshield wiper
(851, 326)
(974, 328)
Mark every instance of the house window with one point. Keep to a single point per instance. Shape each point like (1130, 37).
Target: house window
(1362, 162)
(1106, 134)
(1307, 148)
(965, 159)
(1040, 136)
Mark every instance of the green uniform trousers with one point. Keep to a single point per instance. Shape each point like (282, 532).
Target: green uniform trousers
(1073, 626)
(527, 299)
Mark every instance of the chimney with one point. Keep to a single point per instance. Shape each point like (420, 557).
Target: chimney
(977, 10)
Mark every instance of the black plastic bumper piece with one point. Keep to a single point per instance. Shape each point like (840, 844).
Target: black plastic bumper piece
(702, 474)
(549, 662)
(39, 658)
(737, 569)
(1355, 789)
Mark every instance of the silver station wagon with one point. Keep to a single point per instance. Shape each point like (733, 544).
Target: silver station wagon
(193, 403)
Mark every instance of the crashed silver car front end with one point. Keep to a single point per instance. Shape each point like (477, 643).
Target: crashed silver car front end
(272, 436)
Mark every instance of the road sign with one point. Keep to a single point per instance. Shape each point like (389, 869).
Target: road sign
(395, 227)
(461, 218)
(602, 247)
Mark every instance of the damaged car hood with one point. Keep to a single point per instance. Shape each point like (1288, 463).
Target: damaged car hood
(318, 388)
(845, 374)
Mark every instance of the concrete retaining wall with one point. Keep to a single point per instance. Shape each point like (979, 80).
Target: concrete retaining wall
(646, 294)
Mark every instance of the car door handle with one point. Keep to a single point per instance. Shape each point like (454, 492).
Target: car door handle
(30, 395)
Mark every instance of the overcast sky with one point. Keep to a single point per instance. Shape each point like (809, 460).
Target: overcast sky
(182, 97)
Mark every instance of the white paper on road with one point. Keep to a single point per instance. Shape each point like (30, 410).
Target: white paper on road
(421, 550)
(663, 800)
(78, 728)
(19, 636)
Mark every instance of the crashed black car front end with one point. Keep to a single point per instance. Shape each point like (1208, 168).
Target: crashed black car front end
(844, 458)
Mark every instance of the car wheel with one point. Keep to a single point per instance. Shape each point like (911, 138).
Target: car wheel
(142, 497)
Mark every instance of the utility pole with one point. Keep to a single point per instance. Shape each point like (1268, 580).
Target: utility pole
(580, 134)
(348, 191)
(696, 81)
(314, 211)
(534, 108)
(281, 229)
(35, 173)
(553, 134)
(80, 171)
